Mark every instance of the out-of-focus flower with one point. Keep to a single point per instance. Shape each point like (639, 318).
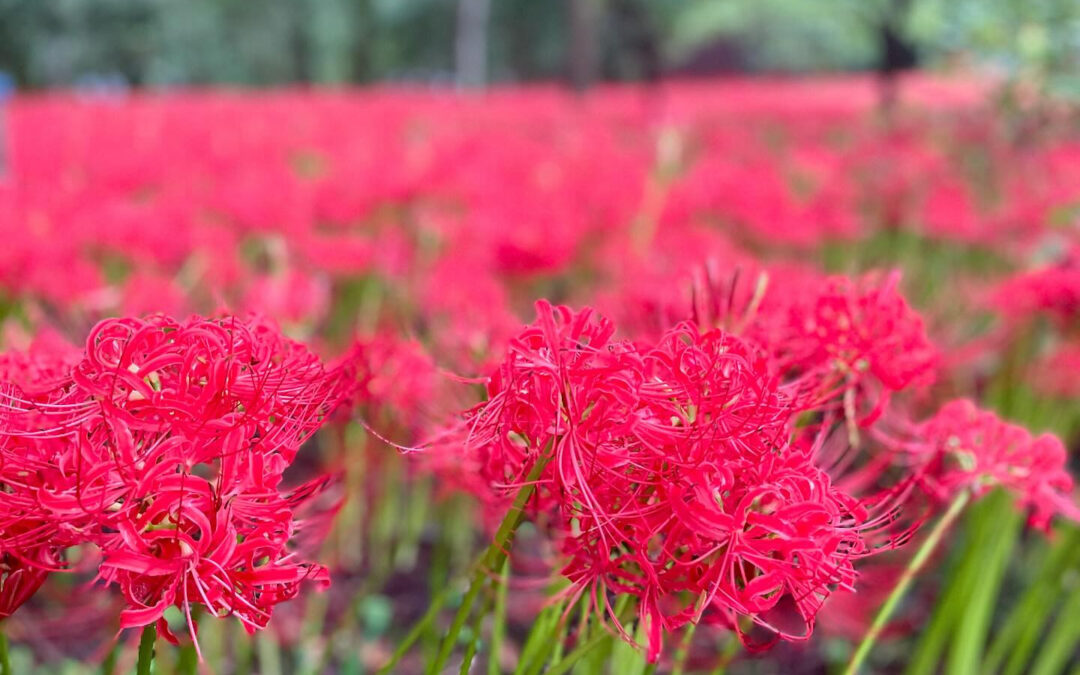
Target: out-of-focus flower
(1052, 290)
(857, 336)
(1055, 373)
(974, 449)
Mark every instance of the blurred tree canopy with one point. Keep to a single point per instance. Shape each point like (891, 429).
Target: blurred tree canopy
(47, 43)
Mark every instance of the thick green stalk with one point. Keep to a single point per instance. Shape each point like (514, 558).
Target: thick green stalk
(188, 661)
(560, 639)
(5, 658)
(470, 654)
(949, 609)
(492, 559)
(243, 654)
(1026, 626)
(1059, 646)
(188, 664)
(910, 572)
(547, 634)
(476, 630)
(146, 650)
(498, 625)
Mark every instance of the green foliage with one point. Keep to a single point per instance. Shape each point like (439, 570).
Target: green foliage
(778, 35)
(1031, 40)
(273, 42)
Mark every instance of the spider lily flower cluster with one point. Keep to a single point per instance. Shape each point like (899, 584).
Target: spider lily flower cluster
(162, 446)
(707, 473)
(966, 448)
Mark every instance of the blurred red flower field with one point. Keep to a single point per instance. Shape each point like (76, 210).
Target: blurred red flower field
(690, 377)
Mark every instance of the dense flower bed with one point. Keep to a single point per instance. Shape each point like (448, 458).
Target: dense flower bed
(728, 348)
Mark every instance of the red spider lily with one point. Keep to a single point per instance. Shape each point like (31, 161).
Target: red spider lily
(37, 395)
(1051, 290)
(39, 405)
(400, 380)
(969, 448)
(164, 446)
(842, 339)
(564, 384)
(462, 168)
(674, 474)
(198, 544)
(1055, 373)
(291, 296)
(859, 338)
(204, 378)
(722, 515)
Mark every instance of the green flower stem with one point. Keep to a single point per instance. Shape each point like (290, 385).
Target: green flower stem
(188, 661)
(498, 626)
(476, 629)
(492, 559)
(560, 641)
(146, 650)
(545, 639)
(599, 637)
(910, 572)
(570, 660)
(5, 658)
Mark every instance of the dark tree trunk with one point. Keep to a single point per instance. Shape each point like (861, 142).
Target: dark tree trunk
(639, 37)
(897, 52)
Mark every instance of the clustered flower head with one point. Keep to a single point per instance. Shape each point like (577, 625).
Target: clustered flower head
(163, 445)
(835, 335)
(967, 448)
(842, 335)
(679, 473)
(1053, 290)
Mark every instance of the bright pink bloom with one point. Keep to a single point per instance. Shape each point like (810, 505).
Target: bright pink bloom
(1056, 372)
(563, 386)
(218, 544)
(1052, 290)
(674, 475)
(974, 449)
(846, 335)
(843, 341)
(164, 446)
